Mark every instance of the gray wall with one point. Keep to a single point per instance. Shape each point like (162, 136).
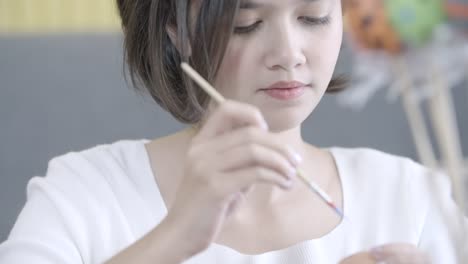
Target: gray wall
(64, 93)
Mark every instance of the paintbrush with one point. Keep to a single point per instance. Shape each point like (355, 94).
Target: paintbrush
(206, 86)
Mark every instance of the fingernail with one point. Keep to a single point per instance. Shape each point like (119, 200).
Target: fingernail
(297, 157)
(292, 172)
(377, 253)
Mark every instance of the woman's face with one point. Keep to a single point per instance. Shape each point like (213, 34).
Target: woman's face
(282, 44)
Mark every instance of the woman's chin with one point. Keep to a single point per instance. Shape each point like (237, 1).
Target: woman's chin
(281, 123)
(283, 119)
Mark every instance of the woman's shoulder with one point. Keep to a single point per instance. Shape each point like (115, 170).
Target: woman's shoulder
(108, 172)
(118, 151)
(95, 199)
(380, 174)
(104, 165)
(101, 157)
(374, 173)
(376, 162)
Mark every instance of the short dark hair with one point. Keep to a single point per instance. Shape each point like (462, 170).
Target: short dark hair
(154, 61)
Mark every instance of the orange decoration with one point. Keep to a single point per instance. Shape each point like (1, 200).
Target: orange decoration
(457, 10)
(370, 26)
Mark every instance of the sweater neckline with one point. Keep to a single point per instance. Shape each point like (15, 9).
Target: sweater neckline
(155, 197)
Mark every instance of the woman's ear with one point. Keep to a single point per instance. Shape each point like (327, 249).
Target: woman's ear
(172, 33)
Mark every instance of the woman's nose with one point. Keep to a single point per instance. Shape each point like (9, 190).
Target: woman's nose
(285, 51)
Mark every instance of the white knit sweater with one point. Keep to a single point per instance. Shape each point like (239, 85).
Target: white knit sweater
(92, 204)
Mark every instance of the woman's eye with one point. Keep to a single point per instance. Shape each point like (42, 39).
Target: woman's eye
(306, 19)
(247, 29)
(315, 20)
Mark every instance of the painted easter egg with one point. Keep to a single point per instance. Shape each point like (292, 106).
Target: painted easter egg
(415, 20)
(369, 26)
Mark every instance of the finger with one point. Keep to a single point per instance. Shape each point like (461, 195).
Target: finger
(256, 155)
(399, 253)
(250, 136)
(405, 259)
(230, 115)
(358, 258)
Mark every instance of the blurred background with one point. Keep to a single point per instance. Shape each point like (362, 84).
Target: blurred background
(62, 88)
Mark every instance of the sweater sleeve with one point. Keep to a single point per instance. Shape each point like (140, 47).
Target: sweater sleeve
(69, 217)
(443, 234)
(40, 234)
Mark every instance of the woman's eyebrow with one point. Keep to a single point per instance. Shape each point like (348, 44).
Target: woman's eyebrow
(251, 4)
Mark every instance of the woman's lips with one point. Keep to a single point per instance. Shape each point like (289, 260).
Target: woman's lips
(285, 93)
(285, 90)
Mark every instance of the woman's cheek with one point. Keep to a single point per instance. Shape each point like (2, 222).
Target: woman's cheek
(230, 71)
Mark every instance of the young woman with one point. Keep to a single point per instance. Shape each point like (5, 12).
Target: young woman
(224, 190)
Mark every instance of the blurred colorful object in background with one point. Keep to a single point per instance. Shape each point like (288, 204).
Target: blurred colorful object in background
(415, 20)
(432, 61)
(28, 16)
(457, 11)
(369, 25)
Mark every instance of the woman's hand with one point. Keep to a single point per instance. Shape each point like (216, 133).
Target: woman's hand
(399, 253)
(232, 151)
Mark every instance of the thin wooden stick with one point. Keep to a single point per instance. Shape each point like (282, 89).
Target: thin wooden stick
(323, 195)
(202, 83)
(444, 120)
(442, 117)
(415, 118)
(220, 99)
